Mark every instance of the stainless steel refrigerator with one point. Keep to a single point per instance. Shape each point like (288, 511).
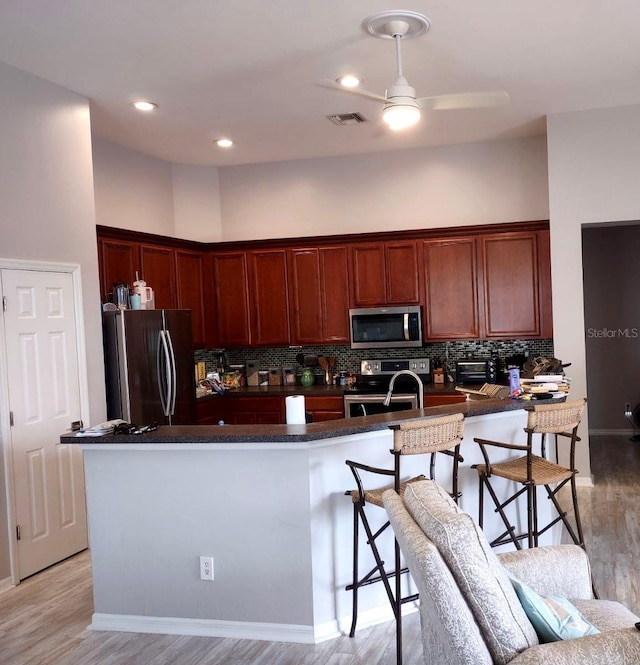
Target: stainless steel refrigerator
(149, 366)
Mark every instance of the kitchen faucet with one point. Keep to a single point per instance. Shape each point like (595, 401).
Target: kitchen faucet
(387, 399)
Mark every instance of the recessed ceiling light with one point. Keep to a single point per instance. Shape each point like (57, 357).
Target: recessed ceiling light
(349, 81)
(224, 143)
(144, 106)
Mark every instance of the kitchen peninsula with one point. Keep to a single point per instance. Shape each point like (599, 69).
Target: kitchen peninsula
(267, 503)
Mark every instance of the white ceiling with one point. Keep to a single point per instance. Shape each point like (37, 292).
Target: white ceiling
(249, 69)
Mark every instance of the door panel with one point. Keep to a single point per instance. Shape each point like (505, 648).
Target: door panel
(269, 296)
(231, 289)
(335, 294)
(119, 261)
(451, 303)
(158, 271)
(368, 269)
(44, 397)
(306, 296)
(402, 273)
(190, 292)
(511, 283)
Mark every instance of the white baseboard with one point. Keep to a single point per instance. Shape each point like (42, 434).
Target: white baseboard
(6, 584)
(270, 632)
(584, 481)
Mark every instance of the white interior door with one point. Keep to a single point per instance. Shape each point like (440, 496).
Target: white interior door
(44, 398)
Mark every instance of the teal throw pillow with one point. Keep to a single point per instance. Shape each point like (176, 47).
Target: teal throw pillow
(553, 617)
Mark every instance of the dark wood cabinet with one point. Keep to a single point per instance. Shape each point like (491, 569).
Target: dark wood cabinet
(305, 288)
(450, 286)
(268, 292)
(118, 262)
(324, 407)
(334, 271)
(259, 410)
(240, 410)
(401, 268)
(441, 400)
(544, 276)
(487, 283)
(319, 295)
(157, 268)
(368, 275)
(385, 274)
(190, 294)
(510, 285)
(492, 286)
(231, 299)
(174, 274)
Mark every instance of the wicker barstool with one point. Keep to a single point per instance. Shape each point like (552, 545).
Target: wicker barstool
(422, 437)
(531, 471)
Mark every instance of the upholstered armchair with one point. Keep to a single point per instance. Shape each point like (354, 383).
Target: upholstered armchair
(470, 613)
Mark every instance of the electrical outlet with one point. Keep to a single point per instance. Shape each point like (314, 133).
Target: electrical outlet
(206, 568)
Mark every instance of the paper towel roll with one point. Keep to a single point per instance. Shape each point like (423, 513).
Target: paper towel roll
(294, 405)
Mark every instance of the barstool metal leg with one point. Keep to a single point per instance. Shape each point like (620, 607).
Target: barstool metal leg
(354, 605)
(398, 606)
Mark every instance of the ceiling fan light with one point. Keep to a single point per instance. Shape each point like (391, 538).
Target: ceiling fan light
(401, 116)
(349, 81)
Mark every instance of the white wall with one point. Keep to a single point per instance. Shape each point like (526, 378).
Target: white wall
(593, 177)
(132, 190)
(498, 181)
(196, 202)
(46, 204)
(141, 193)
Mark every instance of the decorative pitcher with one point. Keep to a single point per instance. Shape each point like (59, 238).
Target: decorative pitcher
(147, 300)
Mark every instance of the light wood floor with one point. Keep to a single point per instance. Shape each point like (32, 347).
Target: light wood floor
(43, 621)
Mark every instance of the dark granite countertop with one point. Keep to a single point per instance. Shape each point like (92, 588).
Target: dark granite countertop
(318, 390)
(303, 433)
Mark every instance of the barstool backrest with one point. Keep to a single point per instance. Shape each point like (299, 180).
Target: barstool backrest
(430, 435)
(554, 418)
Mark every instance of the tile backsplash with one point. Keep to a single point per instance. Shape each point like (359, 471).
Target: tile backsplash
(348, 359)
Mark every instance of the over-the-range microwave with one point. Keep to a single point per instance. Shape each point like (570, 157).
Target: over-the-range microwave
(385, 327)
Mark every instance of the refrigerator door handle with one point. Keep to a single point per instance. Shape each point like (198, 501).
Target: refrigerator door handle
(172, 378)
(163, 373)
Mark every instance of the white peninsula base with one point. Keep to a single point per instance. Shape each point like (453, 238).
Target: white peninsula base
(272, 515)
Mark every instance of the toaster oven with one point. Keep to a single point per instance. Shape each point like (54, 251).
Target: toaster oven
(476, 371)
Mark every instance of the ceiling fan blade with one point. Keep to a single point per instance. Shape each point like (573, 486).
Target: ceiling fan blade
(352, 91)
(465, 100)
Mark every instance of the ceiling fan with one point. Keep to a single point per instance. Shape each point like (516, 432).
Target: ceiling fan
(401, 107)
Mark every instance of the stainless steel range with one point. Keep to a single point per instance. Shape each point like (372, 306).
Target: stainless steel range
(371, 391)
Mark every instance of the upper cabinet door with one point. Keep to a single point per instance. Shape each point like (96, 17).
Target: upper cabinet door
(157, 266)
(334, 271)
(231, 295)
(451, 298)
(305, 291)
(119, 260)
(511, 285)
(319, 295)
(269, 297)
(189, 281)
(385, 274)
(402, 273)
(369, 279)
